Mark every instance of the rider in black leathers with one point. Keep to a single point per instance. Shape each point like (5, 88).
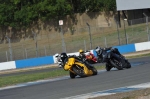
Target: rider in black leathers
(114, 53)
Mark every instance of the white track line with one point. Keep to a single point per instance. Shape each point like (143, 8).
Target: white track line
(110, 91)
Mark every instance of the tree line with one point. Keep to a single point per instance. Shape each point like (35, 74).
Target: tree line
(23, 13)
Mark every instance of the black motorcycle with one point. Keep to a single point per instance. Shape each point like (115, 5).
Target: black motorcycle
(112, 59)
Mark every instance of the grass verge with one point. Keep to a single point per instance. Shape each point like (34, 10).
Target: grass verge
(136, 56)
(11, 80)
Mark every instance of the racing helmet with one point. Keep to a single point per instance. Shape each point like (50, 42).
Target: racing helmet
(81, 51)
(63, 56)
(98, 50)
(56, 55)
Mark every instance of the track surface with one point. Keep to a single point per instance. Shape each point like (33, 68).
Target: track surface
(139, 73)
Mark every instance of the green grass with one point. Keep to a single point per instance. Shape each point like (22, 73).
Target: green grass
(136, 56)
(11, 80)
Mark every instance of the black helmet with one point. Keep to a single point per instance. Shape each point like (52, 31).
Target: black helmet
(63, 56)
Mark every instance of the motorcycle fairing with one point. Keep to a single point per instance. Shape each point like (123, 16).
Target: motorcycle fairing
(86, 70)
(71, 62)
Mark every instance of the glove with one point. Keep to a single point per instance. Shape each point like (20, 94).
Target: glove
(84, 59)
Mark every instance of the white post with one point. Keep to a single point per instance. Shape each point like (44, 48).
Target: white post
(147, 26)
(84, 45)
(10, 50)
(45, 51)
(105, 42)
(6, 56)
(26, 53)
(62, 36)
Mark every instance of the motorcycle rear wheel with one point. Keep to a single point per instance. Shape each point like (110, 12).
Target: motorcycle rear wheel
(94, 70)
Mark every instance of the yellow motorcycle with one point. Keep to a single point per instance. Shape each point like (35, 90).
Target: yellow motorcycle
(76, 67)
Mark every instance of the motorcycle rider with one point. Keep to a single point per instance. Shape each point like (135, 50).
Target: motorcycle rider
(64, 58)
(82, 57)
(87, 54)
(114, 52)
(81, 54)
(59, 61)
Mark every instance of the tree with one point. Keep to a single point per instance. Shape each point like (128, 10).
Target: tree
(53, 9)
(6, 16)
(81, 6)
(23, 13)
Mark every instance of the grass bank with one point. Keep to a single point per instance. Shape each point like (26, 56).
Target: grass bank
(12, 80)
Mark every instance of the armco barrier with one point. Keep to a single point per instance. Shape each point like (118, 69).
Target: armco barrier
(142, 46)
(129, 48)
(7, 65)
(34, 62)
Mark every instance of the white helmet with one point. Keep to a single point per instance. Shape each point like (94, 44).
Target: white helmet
(56, 55)
(97, 48)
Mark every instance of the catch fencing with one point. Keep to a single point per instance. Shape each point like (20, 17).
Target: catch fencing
(86, 38)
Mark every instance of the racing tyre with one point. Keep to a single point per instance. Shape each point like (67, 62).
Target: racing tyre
(128, 65)
(108, 67)
(117, 64)
(94, 70)
(72, 75)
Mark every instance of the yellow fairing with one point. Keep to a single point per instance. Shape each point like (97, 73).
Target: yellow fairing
(71, 62)
(86, 70)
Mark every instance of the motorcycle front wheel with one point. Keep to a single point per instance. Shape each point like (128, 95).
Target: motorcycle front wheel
(128, 64)
(108, 67)
(72, 75)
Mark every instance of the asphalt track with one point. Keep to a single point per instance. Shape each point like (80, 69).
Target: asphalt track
(139, 73)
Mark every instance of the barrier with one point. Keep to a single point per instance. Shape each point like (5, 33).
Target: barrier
(129, 48)
(142, 46)
(7, 65)
(40, 61)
